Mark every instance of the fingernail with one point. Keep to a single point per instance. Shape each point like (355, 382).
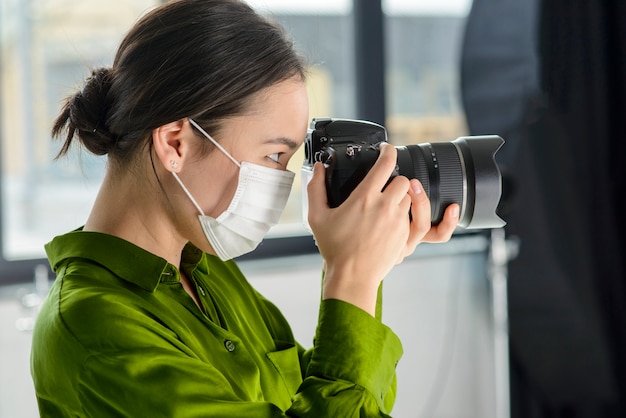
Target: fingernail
(416, 186)
(455, 211)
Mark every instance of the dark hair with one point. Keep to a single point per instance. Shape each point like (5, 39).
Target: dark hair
(187, 58)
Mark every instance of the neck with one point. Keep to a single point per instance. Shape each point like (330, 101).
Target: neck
(126, 207)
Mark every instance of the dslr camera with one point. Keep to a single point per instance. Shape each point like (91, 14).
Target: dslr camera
(462, 171)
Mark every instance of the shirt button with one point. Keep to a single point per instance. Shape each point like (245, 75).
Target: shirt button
(230, 346)
(201, 290)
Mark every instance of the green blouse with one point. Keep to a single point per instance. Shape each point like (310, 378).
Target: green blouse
(119, 336)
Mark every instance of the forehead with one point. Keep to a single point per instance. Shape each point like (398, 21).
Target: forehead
(278, 96)
(277, 112)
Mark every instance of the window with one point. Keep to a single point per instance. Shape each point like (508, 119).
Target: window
(48, 47)
(423, 44)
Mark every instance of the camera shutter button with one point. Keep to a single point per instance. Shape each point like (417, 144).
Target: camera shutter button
(353, 150)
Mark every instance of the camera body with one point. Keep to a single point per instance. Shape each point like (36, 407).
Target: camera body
(463, 171)
(347, 149)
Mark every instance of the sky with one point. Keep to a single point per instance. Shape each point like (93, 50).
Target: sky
(447, 7)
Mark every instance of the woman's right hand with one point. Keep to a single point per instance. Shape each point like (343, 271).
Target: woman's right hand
(362, 239)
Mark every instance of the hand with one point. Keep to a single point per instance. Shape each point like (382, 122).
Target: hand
(363, 238)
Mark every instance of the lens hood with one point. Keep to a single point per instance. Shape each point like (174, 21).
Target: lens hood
(484, 181)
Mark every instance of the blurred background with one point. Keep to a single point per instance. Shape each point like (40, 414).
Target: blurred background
(537, 332)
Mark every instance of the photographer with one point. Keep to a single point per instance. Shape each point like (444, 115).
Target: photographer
(199, 114)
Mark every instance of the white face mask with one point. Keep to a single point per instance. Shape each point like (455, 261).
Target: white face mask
(259, 200)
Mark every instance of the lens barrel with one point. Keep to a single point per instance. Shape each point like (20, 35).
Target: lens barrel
(462, 171)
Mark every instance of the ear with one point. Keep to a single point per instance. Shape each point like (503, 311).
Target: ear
(170, 144)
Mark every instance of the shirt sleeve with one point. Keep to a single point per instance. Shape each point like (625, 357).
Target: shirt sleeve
(351, 371)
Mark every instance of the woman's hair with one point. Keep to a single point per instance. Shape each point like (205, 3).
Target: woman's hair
(188, 58)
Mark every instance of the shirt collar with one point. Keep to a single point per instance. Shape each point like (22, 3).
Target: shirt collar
(122, 258)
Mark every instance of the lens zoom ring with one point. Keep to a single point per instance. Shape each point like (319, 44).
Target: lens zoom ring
(450, 173)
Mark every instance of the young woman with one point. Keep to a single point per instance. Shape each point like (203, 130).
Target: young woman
(199, 114)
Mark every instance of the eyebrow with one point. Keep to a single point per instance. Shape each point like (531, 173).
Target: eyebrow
(284, 141)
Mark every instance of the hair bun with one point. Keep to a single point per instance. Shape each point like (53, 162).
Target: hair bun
(88, 111)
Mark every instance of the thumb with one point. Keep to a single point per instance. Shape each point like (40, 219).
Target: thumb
(316, 190)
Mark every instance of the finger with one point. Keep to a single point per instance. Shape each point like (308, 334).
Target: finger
(382, 169)
(316, 190)
(397, 189)
(443, 232)
(420, 214)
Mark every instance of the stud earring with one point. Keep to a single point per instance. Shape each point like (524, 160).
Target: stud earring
(174, 164)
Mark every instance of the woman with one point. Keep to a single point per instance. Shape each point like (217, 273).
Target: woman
(199, 114)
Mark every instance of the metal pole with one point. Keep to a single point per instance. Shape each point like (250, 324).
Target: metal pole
(501, 252)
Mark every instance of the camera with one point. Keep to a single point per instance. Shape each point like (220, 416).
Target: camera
(462, 171)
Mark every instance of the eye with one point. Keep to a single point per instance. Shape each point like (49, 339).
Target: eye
(275, 157)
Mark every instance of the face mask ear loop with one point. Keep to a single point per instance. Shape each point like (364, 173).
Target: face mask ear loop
(221, 148)
(188, 194)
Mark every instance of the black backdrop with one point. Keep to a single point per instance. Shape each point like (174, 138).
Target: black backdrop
(550, 77)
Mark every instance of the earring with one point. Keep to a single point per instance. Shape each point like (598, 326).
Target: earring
(174, 164)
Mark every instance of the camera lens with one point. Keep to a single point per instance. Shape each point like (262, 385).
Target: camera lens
(463, 171)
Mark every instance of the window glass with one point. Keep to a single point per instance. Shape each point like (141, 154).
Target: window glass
(47, 48)
(423, 44)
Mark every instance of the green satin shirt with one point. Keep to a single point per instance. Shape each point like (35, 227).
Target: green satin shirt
(119, 336)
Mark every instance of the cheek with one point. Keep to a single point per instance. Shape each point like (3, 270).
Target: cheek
(226, 197)
(213, 184)
(227, 187)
